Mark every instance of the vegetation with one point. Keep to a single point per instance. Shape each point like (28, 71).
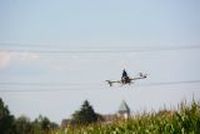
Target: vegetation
(85, 115)
(6, 120)
(23, 125)
(185, 120)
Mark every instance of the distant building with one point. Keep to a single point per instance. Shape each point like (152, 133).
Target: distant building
(65, 123)
(124, 110)
(109, 118)
(122, 113)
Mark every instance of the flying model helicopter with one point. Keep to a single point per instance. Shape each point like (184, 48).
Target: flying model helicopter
(125, 79)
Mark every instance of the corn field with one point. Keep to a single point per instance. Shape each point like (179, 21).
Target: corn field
(184, 120)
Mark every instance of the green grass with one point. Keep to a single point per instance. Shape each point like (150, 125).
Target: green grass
(185, 120)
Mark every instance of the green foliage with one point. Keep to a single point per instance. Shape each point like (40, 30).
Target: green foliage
(186, 120)
(85, 115)
(43, 124)
(23, 125)
(6, 120)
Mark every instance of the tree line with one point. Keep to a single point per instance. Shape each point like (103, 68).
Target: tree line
(9, 124)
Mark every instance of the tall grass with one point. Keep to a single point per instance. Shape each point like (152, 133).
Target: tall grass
(184, 120)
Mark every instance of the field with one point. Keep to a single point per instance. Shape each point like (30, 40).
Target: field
(184, 120)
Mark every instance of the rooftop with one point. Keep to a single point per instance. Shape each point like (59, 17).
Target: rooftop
(124, 107)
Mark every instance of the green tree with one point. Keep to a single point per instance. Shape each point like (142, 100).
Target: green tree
(22, 125)
(43, 125)
(6, 120)
(85, 115)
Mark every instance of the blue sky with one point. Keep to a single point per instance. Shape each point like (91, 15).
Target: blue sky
(100, 23)
(29, 27)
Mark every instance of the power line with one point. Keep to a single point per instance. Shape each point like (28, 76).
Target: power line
(65, 46)
(43, 84)
(101, 50)
(172, 83)
(47, 87)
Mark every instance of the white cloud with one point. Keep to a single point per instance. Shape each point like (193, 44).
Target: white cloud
(5, 58)
(26, 56)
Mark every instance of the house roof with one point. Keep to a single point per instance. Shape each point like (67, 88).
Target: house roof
(124, 107)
